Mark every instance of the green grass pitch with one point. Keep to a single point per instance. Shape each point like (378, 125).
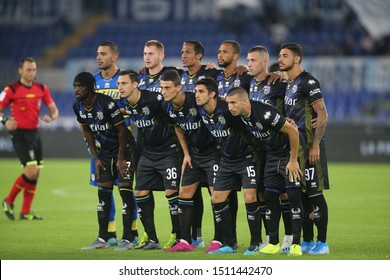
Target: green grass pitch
(359, 224)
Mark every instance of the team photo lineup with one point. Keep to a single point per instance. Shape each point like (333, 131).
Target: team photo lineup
(255, 130)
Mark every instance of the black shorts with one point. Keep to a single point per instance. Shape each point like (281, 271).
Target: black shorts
(275, 176)
(111, 174)
(28, 146)
(233, 174)
(316, 175)
(150, 172)
(204, 168)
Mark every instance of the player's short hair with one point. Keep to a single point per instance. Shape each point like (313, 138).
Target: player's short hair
(295, 48)
(171, 75)
(260, 49)
(113, 46)
(85, 79)
(210, 84)
(198, 46)
(133, 75)
(240, 91)
(156, 44)
(24, 59)
(236, 46)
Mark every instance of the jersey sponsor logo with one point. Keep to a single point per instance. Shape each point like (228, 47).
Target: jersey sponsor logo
(290, 101)
(116, 113)
(113, 93)
(261, 135)
(276, 119)
(220, 133)
(144, 123)
(99, 127)
(314, 91)
(190, 126)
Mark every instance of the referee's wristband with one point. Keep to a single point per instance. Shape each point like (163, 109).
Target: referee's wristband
(4, 119)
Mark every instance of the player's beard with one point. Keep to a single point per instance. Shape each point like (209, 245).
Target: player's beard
(224, 64)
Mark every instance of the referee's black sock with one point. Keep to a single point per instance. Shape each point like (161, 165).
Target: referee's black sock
(273, 214)
(297, 213)
(253, 217)
(186, 215)
(223, 219)
(308, 224)
(146, 214)
(198, 214)
(127, 212)
(286, 216)
(103, 211)
(233, 204)
(173, 201)
(320, 215)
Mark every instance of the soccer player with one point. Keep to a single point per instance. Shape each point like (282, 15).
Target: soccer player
(204, 151)
(228, 55)
(303, 102)
(281, 170)
(238, 166)
(272, 93)
(25, 97)
(107, 56)
(101, 120)
(231, 76)
(191, 54)
(160, 156)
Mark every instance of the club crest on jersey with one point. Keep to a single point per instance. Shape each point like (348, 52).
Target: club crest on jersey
(259, 125)
(221, 120)
(99, 115)
(193, 111)
(236, 83)
(294, 89)
(145, 110)
(266, 89)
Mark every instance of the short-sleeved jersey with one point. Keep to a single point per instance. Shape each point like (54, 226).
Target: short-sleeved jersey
(153, 125)
(264, 123)
(271, 94)
(152, 82)
(227, 83)
(300, 94)
(25, 103)
(107, 86)
(102, 119)
(188, 118)
(188, 81)
(228, 130)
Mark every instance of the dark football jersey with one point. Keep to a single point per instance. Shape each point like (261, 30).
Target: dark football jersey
(264, 123)
(188, 118)
(300, 94)
(227, 83)
(188, 81)
(102, 119)
(152, 82)
(228, 130)
(271, 94)
(152, 124)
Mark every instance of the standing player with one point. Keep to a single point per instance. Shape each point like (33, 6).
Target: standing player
(262, 90)
(107, 55)
(204, 151)
(228, 55)
(281, 170)
(237, 167)
(25, 97)
(102, 120)
(303, 102)
(160, 156)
